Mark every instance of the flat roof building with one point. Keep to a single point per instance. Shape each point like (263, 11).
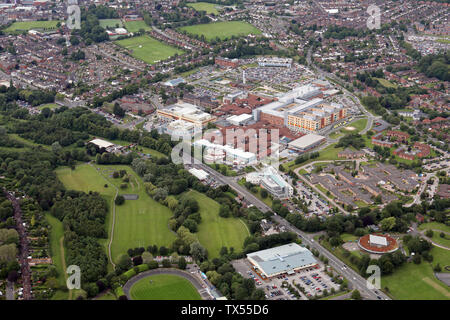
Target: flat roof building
(377, 240)
(101, 143)
(283, 259)
(174, 82)
(306, 142)
(199, 174)
(187, 112)
(240, 119)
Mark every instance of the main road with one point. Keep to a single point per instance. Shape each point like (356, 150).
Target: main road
(355, 280)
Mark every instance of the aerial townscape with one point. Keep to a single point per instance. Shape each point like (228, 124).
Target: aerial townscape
(224, 150)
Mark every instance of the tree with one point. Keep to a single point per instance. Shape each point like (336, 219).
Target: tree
(147, 257)
(264, 193)
(429, 233)
(163, 251)
(119, 200)
(166, 263)
(13, 276)
(124, 262)
(356, 295)
(198, 252)
(56, 147)
(388, 223)
(118, 111)
(182, 263)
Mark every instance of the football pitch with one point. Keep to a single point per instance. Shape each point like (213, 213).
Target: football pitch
(223, 30)
(204, 6)
(111, 23)
(135, 26)
(148, 49)
(29, 25)
(164, 287)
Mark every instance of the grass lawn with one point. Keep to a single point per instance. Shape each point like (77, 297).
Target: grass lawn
(215, 232)
(267, 200)
(447, 41)
(435, 225)
(28, 25)
(359, 125)
(139, 223)
(164, 287)
(111, 23)
(107, 296)
(386, 83)
(204, 6)
(222, 30)
(51, 106)
(146, 150)
(27, 142)
(416, 282)
(329, 153)
(56, 234)
(318, 186)
(335, 135)
(135, 26)
(440, 256)
(348, 237)
(148, 49)
(442, 241)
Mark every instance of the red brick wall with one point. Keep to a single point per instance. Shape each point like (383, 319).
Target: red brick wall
(272, 119)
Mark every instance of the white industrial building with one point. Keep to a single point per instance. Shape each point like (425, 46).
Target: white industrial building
(274, 62)
(306, 142)
(286, 259)
(241, 119)
(179, 128)
(108, 146)
(187, 112)
(229, 154)
(199, 174)
(272, 181)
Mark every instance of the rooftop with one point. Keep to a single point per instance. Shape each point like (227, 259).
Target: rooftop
(282, 259)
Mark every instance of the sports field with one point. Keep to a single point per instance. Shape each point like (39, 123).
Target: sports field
(415, 282)
(135, 26)
(148, 49)
(111, 23)
(138, 223)
(28, 25)
(210, 8)
(215, 232)
(222, 30)
(164, 287)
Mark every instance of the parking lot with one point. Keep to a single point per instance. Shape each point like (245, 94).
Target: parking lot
(318, 205)
(314, 280)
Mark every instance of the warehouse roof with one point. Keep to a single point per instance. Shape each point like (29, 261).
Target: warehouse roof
(306, 141)
(282, 259)
(101, 143)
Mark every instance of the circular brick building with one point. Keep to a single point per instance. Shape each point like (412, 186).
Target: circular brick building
(378, 243)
